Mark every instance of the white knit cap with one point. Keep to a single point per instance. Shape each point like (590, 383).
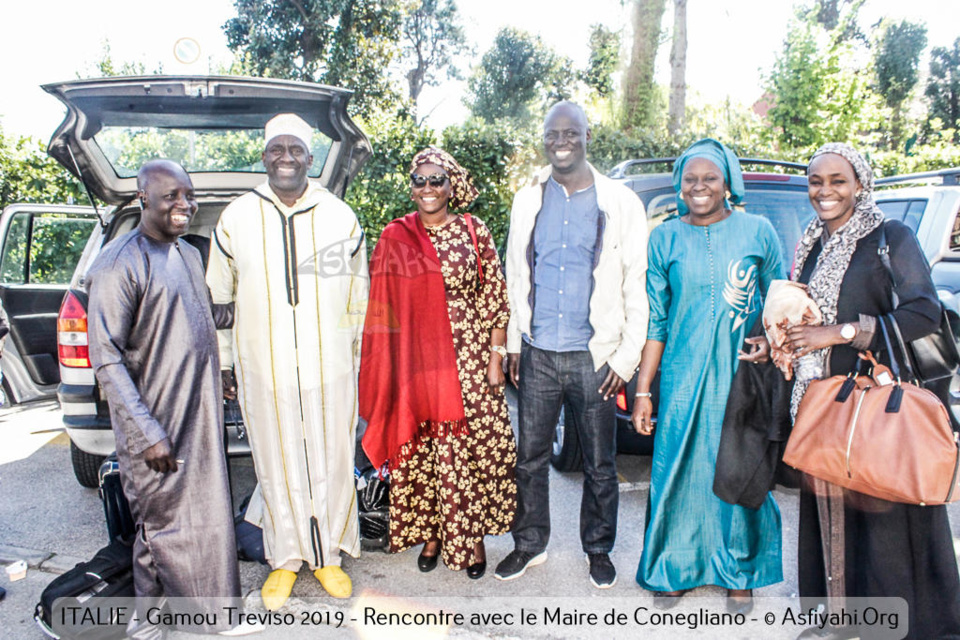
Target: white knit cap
(288, 124)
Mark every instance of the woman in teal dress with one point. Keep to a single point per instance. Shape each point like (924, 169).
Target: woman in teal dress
(709, 269)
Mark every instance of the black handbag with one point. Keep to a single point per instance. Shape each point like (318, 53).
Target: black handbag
(932, 357)
(373, 502)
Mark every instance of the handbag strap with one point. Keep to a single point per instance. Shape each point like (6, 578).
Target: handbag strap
(903, 346)
(883, 250)
(894, 365)
(896, 395)
(476, 247)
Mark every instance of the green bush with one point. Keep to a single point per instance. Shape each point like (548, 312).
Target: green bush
(28, 174)
(381, 191)
(939, 154)
(499, 156)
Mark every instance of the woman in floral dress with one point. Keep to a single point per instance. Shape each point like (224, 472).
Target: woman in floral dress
(431, 375)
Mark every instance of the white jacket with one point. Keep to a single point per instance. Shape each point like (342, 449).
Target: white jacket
(618, 305)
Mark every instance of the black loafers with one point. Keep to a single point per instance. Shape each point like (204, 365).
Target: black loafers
(739, 606)
(667, 599)
(476, 571)
(427, 563)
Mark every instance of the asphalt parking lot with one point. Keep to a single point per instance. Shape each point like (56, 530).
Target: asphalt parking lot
(48, 519)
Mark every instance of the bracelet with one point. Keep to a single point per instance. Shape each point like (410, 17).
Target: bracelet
(643, 394)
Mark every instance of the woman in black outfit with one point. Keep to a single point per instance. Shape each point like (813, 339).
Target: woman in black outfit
(852, 544)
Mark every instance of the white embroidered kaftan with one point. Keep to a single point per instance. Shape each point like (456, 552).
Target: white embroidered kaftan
(299, 278)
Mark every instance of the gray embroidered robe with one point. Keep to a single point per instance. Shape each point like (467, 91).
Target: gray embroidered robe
(153, 346)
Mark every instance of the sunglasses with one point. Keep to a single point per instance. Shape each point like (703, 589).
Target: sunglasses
(436, 180)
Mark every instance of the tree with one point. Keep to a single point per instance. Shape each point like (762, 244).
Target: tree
(795, 83)
(106, 66)
(897, 65)
(347, 43)
(943, 88)
(432, 38)
(834, 17)
(639, 91)
(514, 75)
(604, 60)
(678, 67)
(818, 92)
(28, 174)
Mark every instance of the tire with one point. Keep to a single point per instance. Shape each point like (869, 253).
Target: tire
(566, 455)
(954, 406)
(9, 399)
(86, 466)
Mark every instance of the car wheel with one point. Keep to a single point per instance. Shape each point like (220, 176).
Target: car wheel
(86, 466)
(566, 455)
(954, 406)
(9, 400)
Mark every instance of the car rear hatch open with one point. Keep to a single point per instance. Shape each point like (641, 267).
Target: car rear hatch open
(212, 125)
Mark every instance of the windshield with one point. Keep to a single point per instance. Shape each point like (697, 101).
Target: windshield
(197, 150)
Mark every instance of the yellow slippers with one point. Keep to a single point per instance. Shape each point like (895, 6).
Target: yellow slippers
(335, 581)
(277, 588)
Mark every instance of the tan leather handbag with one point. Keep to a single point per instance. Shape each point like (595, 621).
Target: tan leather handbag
(877, 435)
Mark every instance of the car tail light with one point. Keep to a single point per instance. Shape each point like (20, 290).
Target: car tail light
(72, 333)
(622, 399)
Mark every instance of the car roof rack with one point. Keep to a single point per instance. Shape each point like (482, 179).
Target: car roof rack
(620, 171)
(946, 177)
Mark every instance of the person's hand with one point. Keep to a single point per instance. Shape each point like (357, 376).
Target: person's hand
(611, 385)
(759, 353)
(803, 339)
(642, 416)
(513, 367)
(229, 384)
(160, 458)
(495, 377)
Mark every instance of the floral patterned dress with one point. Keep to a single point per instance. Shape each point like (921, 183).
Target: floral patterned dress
(459, 488)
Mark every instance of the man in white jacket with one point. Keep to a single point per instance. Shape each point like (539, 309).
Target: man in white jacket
(576, 269)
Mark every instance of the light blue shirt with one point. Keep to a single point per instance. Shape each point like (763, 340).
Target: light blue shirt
(565, 244)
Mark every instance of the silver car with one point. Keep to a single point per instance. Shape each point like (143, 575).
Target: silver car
(213, 126)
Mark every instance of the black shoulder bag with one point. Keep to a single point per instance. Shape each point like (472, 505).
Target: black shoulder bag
(932, 357)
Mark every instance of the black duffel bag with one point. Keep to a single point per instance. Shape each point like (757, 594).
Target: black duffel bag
(72, 607)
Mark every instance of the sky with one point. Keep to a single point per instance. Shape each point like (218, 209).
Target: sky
(731, 43)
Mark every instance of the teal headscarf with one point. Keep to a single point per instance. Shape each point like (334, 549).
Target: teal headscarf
(717, 153)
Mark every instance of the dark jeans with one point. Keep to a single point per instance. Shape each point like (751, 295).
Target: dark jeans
(547, 380)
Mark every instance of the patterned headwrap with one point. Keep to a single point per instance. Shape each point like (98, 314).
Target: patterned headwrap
(717, 153)
(832, 263)
(463, 191)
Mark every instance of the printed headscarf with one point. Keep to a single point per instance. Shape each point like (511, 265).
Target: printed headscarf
(462, 190)
(832, 263)
(717, 153)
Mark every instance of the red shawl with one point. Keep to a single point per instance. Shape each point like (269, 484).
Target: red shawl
(409, 386)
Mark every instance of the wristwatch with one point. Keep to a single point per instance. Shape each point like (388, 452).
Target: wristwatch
(499, 349)
(848, 332)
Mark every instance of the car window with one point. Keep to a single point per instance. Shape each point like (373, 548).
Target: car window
(955, 234)
(789, 211)
(660, 207)
(197, 150)
(43, 248)
(909, 212)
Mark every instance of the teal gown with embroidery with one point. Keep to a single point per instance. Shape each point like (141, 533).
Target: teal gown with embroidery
(706, 286)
